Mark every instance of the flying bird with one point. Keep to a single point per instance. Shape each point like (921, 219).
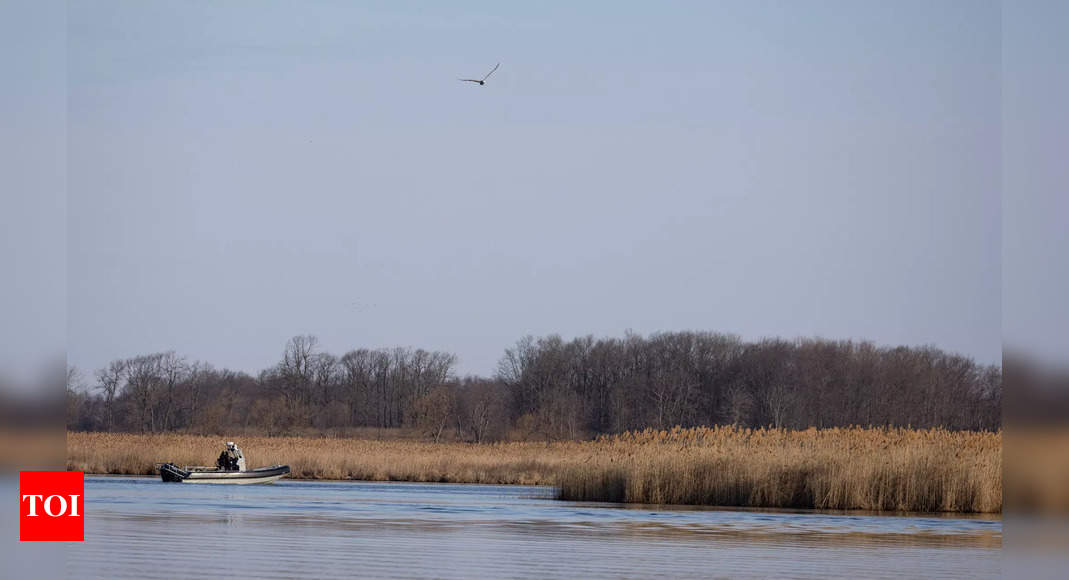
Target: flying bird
(483, 81)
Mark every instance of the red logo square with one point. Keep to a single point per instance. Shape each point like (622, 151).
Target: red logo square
(51, 506)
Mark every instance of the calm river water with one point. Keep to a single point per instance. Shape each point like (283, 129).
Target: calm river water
(140, 527)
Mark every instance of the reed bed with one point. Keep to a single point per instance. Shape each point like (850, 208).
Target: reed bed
(330, 458)
(870, 469)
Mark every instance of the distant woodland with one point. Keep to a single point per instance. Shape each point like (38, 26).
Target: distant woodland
(546, 389)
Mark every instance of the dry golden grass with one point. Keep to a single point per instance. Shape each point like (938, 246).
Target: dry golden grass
(327, 458)
(871, 469)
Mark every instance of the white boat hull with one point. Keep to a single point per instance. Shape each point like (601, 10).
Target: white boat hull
(172, 473)
(235, 481)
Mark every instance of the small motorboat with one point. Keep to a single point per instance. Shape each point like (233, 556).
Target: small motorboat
(172, 473)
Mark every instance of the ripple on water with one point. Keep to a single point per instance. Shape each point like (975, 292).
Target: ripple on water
(137, 527)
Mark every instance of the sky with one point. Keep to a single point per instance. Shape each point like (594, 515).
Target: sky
(241, 172)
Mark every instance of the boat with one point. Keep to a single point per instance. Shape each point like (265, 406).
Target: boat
(170, 472)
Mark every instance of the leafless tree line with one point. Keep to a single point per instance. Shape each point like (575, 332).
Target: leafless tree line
(570, 388)
(549, 388)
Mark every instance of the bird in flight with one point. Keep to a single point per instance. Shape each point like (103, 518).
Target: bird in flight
(483, 81)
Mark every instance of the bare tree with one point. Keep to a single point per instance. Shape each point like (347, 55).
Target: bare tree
(551, 388)
(779, 400)
(173, 370)
(357, 380)
(739, 406)
(433, 411)
(479, 406)
(111, 379)
(143, 383)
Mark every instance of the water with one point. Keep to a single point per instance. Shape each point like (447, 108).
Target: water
(140, 527)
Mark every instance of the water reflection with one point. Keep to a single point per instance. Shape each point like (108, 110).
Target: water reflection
(136, 526)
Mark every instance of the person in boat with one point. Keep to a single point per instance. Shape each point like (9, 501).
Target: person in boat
(224, 460)
(231, 459)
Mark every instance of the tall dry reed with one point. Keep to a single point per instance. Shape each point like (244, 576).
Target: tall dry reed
(329, 458)
(872, 469)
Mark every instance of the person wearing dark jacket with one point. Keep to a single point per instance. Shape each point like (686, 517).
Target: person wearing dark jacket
(231, 459)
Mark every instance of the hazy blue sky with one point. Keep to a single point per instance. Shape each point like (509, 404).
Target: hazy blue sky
(242, 172)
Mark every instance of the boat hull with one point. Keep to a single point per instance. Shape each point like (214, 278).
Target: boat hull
(172, 473)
